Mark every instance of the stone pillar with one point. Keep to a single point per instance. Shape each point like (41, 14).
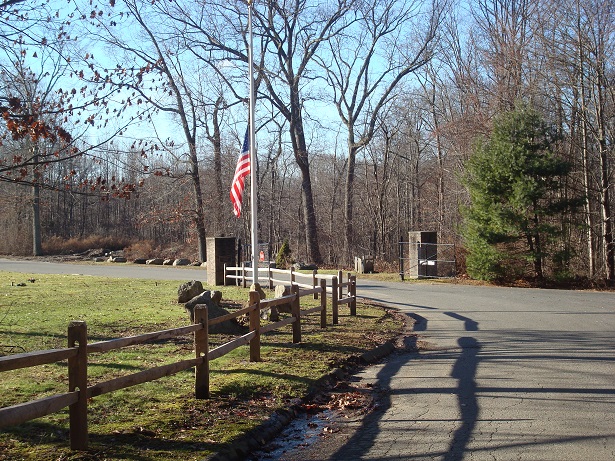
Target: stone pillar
(220, 251)
(423, 254)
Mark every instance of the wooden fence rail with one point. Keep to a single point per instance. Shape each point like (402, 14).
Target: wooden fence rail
(243, 274)
(76, 399)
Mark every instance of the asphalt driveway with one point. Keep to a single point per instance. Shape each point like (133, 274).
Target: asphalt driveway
(500, 374)
(120, 270)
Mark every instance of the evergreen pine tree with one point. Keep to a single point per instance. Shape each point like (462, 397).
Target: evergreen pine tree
(513, 178)
(282, 259)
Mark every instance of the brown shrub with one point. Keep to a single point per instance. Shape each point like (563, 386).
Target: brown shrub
(15, 224)
(58, 245)
(143, 249)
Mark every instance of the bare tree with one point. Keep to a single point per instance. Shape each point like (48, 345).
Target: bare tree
(45, 114)
(503, 38)
(157, 80)
(578, 41)
(291, 33)
(599, 44)
(364, 65)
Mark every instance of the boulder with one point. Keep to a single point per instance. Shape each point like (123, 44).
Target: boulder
(226, 327)
(155, 261)
(270, 314)
(181, 262)
(168, 262)
(202, 298)
(283, 290)
(140, 261)
(189, 290)
(211, 300)
(98, 252)
(306, 267)
(116, 259)
(216, 296)
(261, 292)
(206, 297)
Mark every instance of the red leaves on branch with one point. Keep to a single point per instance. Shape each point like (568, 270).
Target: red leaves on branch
(21, 124)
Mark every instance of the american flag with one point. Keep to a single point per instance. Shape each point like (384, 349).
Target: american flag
(241, 171)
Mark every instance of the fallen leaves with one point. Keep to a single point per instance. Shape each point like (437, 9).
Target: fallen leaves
(350, 400)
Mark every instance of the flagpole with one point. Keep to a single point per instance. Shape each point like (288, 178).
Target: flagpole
(253, 162)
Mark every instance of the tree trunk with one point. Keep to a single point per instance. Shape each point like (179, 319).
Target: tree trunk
(309, 213)
(36, 221)
(36, 211)
(605, 183)
(605, 205)
(301, 156)
(198, 199)
(609, 246)
(585, 151)
(436, 124)
(217, 146)
(348, 202)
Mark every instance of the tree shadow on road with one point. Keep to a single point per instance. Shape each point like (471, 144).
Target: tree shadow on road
(464, 371)
(365, 436)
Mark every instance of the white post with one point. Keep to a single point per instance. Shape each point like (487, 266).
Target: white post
(253, 161)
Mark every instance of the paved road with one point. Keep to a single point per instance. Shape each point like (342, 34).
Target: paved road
(502, 374)
(103, 270)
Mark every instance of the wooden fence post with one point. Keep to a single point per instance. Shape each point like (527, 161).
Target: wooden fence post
(270, 276)
(334, 298)
(323, 304)
(296, 312)
(353, 293)
(78, 380)
(314, 282)
(292, 275)
(255, 326)
(243, 274)
(401, 259)
(201, 347)
(340, 281)
(236, 279)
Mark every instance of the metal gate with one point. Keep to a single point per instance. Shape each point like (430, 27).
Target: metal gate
(264, 254)
(427, 260)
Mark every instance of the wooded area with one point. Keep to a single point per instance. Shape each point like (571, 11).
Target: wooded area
(125, 119)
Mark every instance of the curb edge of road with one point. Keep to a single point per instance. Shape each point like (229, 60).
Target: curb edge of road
(271, 428)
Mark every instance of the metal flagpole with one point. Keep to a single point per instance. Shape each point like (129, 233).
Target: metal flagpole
(253, 161)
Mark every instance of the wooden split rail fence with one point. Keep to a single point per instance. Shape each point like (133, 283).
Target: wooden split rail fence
(78, 350)
(242, 275)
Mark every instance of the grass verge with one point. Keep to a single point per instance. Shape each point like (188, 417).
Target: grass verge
(160, 420)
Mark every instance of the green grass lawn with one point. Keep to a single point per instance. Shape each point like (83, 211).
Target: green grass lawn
(160, 420)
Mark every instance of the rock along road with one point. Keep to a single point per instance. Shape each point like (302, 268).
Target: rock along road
(492, 374)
